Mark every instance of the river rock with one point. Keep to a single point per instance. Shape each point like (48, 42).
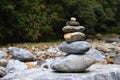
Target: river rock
(14, 66)
(29, 74)
(103, 49)
(98, 55)
(75, 47)
(112, 40)
(73, 29)
(1, 54)
(75, 36)
(3, 62)
(117, 59)
(2, 71)
(21, 54)
(94, 72)
(73, 63)
(72, 23)
(111, 54)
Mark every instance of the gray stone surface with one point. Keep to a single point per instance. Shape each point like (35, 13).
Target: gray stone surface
(1, 54)
(73, 63)
(111, 40)
(75, 47)
(95, 72)
(98, 55)
(73, 28)
(14, 66)
(72, 23)
(2, 71)
(3, 62)
(111, 54)
(117, 59)
(75, 36)
(21, 54)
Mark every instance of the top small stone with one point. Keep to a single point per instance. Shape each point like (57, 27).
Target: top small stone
(73, 19)
(72, 22)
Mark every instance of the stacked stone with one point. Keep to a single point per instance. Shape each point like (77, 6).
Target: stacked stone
(75, 46)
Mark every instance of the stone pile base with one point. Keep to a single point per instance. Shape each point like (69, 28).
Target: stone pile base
(95, 72)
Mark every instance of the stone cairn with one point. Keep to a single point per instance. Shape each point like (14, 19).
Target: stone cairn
(76, 47)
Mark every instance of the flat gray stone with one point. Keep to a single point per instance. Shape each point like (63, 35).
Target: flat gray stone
(21, 54)
(75, 47)
(72, 23)
(73, 29)
(75, 36)
(73, 63)
(94, 72)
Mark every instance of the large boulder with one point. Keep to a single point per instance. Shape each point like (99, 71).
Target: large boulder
(21, 54)
(14, 66)
(73, 63)
(75, 36)
(94, 72)
(75, 47)
(73, 28)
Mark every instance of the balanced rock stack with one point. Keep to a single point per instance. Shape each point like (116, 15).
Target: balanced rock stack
(76, 60)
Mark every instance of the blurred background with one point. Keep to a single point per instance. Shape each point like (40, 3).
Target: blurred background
(43, 20)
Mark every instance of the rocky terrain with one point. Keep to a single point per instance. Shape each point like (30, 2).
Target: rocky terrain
(20, 58)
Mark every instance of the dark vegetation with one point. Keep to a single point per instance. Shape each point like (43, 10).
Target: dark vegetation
(42, 20)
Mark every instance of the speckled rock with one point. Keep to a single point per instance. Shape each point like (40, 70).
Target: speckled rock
(73, 63)
(75, 47)
(73, 29)
(75, 36)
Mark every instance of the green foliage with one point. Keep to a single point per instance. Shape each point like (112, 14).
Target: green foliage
(42, 20)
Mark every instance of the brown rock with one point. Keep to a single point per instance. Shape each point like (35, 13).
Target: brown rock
(103, 49)
(110, 60)
(30, 65)
(103, 62)
(75, 36)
